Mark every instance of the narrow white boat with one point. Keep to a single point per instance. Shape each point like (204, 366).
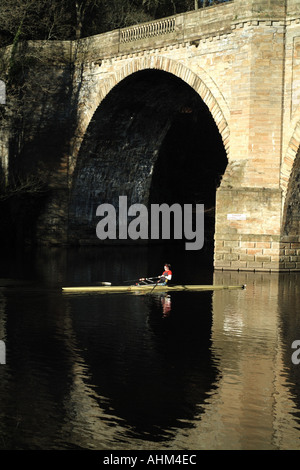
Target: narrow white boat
(148, 288)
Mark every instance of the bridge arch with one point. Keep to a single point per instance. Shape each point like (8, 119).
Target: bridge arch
(126, 133)
(289, 160)
(199, 80)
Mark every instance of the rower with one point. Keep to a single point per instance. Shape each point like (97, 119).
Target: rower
(162, 280)
(166, 275)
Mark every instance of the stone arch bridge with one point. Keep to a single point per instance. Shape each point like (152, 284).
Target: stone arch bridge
(226, 78)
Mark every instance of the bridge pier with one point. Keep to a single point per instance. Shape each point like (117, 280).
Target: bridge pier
(251, 202)
(247, 235)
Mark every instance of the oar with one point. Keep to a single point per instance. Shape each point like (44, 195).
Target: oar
(154, 287)
(146, 278)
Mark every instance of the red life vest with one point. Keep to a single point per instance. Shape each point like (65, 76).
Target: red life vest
(167, 274)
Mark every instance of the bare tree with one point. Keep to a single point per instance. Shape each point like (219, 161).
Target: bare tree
(73, 19)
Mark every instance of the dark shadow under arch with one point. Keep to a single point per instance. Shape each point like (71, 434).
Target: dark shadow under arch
(150, 128)
(190, 163)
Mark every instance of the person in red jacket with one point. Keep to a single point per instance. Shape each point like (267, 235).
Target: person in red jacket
(163, 279)
(166, 275)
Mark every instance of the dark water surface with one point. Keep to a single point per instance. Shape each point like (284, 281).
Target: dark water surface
(204, 370)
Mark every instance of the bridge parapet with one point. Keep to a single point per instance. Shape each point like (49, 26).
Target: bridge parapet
(147, 30)
(189, 27)
(182, 28)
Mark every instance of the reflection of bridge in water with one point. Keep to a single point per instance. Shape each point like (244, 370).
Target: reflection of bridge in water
(239, 391)
(253, 401)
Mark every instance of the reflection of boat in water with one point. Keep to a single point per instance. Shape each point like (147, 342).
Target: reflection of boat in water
(148, 288)
(166, 304)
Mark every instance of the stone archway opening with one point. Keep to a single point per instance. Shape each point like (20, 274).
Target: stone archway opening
(291, 219)
(151, 128)
(290, 241)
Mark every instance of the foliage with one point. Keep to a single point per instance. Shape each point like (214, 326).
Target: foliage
(70, 19)
(34, 184)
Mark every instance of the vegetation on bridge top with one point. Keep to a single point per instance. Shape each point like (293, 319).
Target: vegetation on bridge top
(74, 19)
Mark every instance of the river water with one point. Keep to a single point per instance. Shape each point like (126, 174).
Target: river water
(192, 371)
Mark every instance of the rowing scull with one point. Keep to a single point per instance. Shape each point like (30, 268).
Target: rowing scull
(149, 287)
